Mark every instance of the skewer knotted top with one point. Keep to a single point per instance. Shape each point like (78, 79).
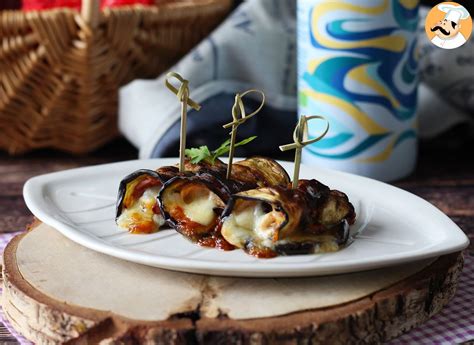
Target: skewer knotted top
(239, 116)
(301, 131)
(238, 109)
(183, 91)
(299, 135)
(183, 96)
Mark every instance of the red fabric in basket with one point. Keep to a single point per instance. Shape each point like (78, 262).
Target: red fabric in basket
(115, 3)
(76, 4)
(33, 5)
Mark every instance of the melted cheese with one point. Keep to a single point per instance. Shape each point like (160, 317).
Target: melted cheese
(251, 224)
(199, 209)
(140, 217)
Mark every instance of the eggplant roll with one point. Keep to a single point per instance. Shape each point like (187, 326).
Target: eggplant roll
(272, 221)
(193, 203)
(137, 209)
(138, 212)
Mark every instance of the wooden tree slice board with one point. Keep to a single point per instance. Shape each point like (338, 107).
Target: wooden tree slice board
(56, 291)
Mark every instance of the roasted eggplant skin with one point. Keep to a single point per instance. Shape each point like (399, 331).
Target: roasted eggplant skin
(161, 175)
(340, 232)
(252, 172)
(157, 178)
(214, 184)
(310, 210)
(247, 174)
(261, 171)
(326, 206)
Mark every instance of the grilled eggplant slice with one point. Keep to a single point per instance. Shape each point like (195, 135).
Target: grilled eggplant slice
(260, 171)
(272, 221)
(193, 203)
(136, 209)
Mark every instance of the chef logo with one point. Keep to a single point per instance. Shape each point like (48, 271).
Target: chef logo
(448, 25)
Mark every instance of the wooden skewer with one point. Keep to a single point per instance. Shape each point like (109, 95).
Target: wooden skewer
(233, 134)
(239, 116)
(182, 133)
(183, 95)
(299, 135)
(300, 131)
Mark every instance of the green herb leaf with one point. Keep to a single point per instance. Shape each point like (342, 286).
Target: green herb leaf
(245, 141)
(198, 154)
(202, 153)
(225, 147)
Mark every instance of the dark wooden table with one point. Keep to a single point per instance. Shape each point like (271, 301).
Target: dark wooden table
(444, 176)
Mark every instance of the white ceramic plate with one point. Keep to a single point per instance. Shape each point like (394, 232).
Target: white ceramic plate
(393, 226)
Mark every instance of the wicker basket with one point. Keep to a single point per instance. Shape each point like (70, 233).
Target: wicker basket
(60, 70)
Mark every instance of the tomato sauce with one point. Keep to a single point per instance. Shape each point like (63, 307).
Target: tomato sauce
(147, 182)
(204, 235)
(189, 227)
(215, 240)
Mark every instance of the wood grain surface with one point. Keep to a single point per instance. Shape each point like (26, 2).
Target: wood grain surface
(47, 306)
(444, 176)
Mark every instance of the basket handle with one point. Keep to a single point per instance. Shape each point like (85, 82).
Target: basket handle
(90, 11)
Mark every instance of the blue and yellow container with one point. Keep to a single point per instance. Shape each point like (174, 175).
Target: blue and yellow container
(357, 66)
